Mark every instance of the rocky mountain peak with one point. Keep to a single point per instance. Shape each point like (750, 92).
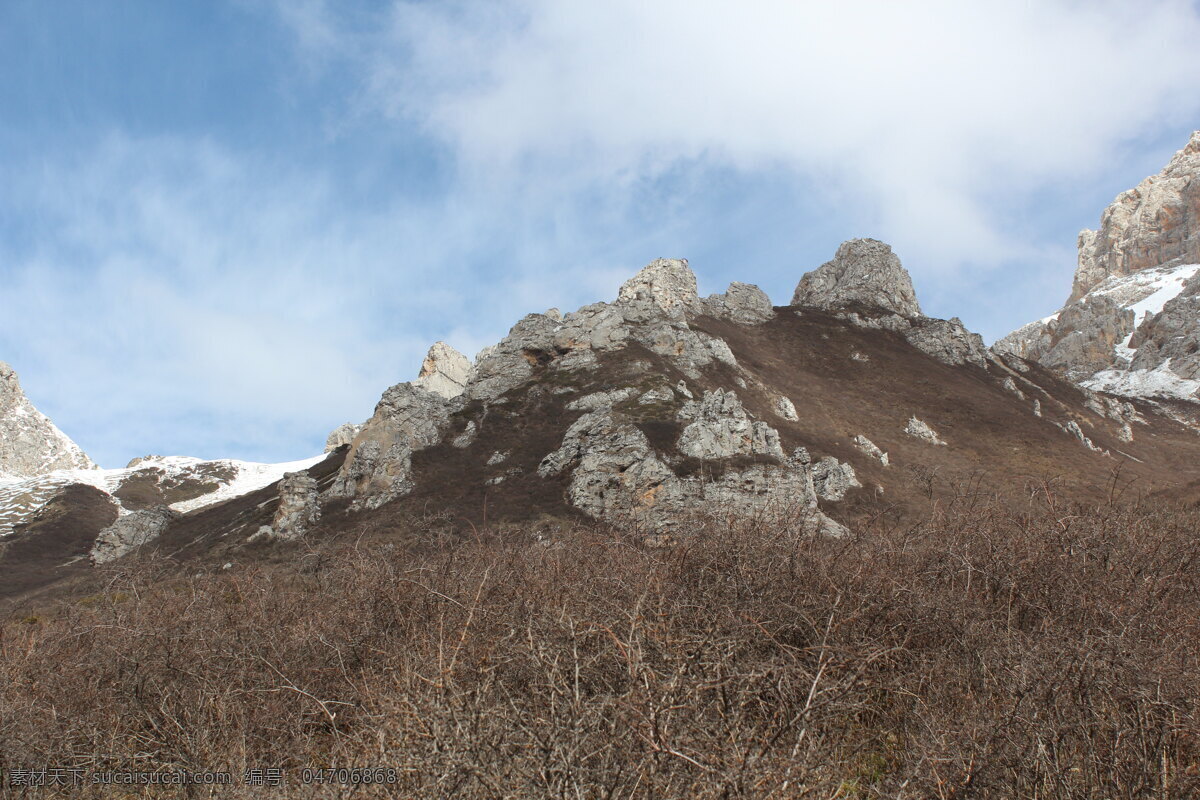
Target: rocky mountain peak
(1155, 224)
(863, 271)
(444, 371)
(30, 444)
(667, 282)
(1132, 323)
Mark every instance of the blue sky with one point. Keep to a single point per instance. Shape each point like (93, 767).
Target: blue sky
(227, 226)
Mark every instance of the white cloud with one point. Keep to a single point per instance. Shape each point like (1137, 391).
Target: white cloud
(929, 111)
(183, 297)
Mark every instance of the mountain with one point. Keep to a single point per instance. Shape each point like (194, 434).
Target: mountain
(1131, 325)
(30, 444)
(649, 412)
(55, 502)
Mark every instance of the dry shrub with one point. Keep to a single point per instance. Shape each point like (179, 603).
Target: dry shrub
(1049, 653)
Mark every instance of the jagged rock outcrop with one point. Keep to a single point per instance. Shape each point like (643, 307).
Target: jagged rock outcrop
(832, 479)
(376, 470)
(342, 434)
(298, 510)
(30, 444)
(719, 427)
(921, 430)
(744, 303)
(947, 340)
(444, 371)
(1072, 428)
(1172, 336)
(1132, 323)
(667, 282)
(131, 532)
(617, 475)
(1155, 224)
(866, 284)
(870, 448)
(864, 271)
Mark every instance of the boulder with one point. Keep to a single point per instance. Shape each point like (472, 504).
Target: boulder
(864, 272)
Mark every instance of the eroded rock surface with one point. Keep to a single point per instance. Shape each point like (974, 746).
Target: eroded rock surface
(444, 371)
(719, 427)
(131, 532)
(1156, 223)
(617, 475)
(870, 448)
(342, 434)
(1131, 325)
(742, 302)
(298, 507)
(920, 430)
(30, 444)
(407, 418)
(864, 271)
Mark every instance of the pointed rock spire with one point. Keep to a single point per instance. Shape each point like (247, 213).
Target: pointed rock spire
(863, 271)
(667, 282)
(444, 371)
(30, 444)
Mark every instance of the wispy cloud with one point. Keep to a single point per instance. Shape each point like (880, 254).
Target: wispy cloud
(209, 296)
(930, 110)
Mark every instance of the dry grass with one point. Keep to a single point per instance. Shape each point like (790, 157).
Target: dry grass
(1048, 653)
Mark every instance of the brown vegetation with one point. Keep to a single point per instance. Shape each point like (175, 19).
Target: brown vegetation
(1048, 652)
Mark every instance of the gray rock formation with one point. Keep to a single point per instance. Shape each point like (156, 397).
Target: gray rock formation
(407, 418)
(298, 508)
(864, 271)
(1172, 336)
(616, 475)
(948, 341)
(865, 278)
(1154, 224)
(785, 408)
(832, 479)
(719, 427)
(30, 444)
(606, 399)
(920, 430)
(744, 303)
(131, 532)
(1072, 428)
(444, 371)
(870, 448)
(666, 282)
(342, 434)
(1132, 323)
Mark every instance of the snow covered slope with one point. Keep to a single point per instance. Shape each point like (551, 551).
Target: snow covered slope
(1130, 335)
(180, 482)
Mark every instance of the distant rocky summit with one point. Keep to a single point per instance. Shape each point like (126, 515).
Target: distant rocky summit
(864, 271)
(656, 413)
(30, 444)
(1131, 325)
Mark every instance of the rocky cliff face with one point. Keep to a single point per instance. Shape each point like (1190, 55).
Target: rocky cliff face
(30, 444)
(1155, 224)
(1132, 323)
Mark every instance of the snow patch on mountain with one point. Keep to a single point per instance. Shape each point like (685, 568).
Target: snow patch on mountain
(1157, 382)
(21, 497)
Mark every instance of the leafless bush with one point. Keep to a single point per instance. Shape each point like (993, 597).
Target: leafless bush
(983, 653)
